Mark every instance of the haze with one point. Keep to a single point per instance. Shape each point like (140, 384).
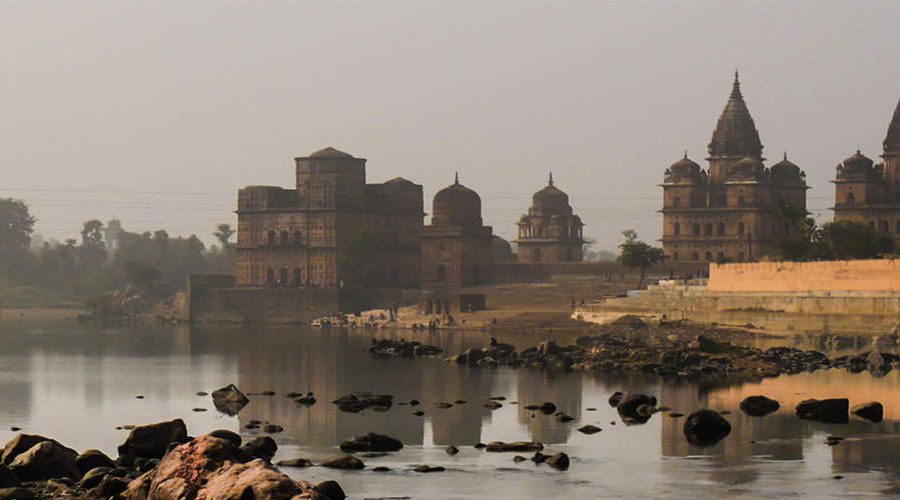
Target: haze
(157, 112)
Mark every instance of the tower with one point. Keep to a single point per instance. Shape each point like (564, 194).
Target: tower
(550, 231)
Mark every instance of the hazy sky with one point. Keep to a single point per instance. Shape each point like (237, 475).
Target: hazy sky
(157, 112)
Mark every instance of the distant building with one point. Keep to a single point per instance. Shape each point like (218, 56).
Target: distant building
(456, 252)
(870, 193)
(550, 232)
(737, 208)
(501, 250)
(112, 236)
(294, 237)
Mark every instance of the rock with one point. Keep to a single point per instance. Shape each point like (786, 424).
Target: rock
(547, 408)
(414, 402)
(20, 444)
(273, 429)
(452, 450)
(262, 447)
(645, 410)
(185, 469)
(675, 414)
(629, 404)
(359, 401)
(480, 446)
(94, 476)
(17, 493)
(519, 458)
(442, 405)
(295, 462)
(705, 428)
(759, 406)
(418, 413)
(429, 468)
(539, 457)
(109, 487)
(829, 411)
(877, 364)
(151, 441)
(346, 462)
(229, 400)
(91, 459)
(516, 446)
(564, 418)
(371, 442)
(381, 468)
(426, 350)
(703, 344)
(493, 405)
(331, 489)
(615, 399)
(307, 400)
(45, 460)
(227, 435)
(7, 477)
(253, 480)
(872, 411)
(559, 461)
(460, 402)
(589, 429)
(548, 348)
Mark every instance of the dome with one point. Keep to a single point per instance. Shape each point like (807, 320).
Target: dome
(400, 182)
(684, 168)
(456, 205)
(330, 153)
(858, 162)
(550, 200)
(747, 168)
(785, 168)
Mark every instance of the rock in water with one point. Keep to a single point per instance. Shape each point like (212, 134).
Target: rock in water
(46, 460)
(872, 411)
(829, 411)
(151, 441)
(452, 450)
(229, 400)
(295, 462)
(516, 446)
(262, 447)
(759, 406)
(371, 442)
(615, 399)
(346, 462)
(429, 468)
(705, 428)
(628, 408)
(589, 429)
(91, 459)
(331, 489)
(359, 401)
(878, 365)
(559, 461)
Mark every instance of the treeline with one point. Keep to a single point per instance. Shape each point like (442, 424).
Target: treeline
(153, 263)
(842, 240)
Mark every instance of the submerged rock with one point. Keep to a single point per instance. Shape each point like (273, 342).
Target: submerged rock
(371, 442)
(759, 406)
(295, 462)
(628, 408)
(429, 468)
(829, 411)
(872, 411)
(705, 428)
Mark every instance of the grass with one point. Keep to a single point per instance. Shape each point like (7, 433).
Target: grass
(31, 297)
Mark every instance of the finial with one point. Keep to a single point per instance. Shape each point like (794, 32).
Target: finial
(551, 178)
(736, 87)
(857, 151)
(456, 177)
(685, 154)
(785, 156)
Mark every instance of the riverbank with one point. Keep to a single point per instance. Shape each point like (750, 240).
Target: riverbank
(42, 313)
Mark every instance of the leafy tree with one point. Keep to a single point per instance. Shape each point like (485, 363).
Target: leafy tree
(854, 240)
(639, 255)
(223, 233)
(16, 228)
(92, 233)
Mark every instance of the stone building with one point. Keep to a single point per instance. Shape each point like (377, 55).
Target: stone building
(550, 232)
(737, 208)
(456, 252)
(870, 193)
(295, 237)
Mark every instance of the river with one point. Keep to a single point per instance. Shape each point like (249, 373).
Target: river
(77, 383)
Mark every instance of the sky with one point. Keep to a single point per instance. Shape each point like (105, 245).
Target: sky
(157, 112)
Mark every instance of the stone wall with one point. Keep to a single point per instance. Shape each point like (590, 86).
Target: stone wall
(214, 299)
(514, 272)
(874, 276)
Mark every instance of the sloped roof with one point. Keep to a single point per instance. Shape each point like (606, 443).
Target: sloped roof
(330, 152)
(735, 134)
(892, 139)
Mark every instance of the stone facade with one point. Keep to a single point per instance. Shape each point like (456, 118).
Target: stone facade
(456, 252)
(550, 232)
(737, 208)
(294, 237)
(870, 193)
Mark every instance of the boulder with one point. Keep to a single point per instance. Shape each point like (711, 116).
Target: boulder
(46, 460)
(558, 461)
(7, 478)
(628, 408)
(227, 435)
(262, 447)
(452, 450)
(705, 428)
(331, 489)
(516, 446)
(548, 348)
(589, 429)
(615, 399)
(295, 462)
(371, 442)
(759, 406)
(109, 487)
(229, 400)
(93, 477)
(829, 411)
(257, 480)
(703, 344)
(20, 444)
(307, 400)
(346, 462)
(91, 459)
(872, 411)
(152, 441)
(493, 405)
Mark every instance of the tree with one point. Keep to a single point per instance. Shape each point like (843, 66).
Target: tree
(92, 233)
(855, 240)
(638, 255)
(223, 233)
(16, 227)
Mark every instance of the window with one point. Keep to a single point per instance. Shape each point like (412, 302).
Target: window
(850, 199)
(707, 230)
(270, 238)
(283, 277)
(270, 276)
(885, 227)
(741, 228)
(676, 202)
(285, 238)
(741, 256)
(298, 277)
(695, 256)
(695, 229)
(897, 230)
(675, 256)
(677, 228)
(298, 238)
(720, 229)
(708, 256)
(741, 201)
(441, 274)
(720, 257)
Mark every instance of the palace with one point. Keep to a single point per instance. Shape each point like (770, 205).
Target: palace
(295, 237)
(870, 193)
(550, 232)
(737, 208)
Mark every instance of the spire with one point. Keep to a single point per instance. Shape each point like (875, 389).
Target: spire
(550, 183)
(892, 139)
(456, 178)
(685, 154)
(735, 135)
(785, 156)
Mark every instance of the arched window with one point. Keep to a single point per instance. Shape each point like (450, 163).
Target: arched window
(676, 202)
(285, 238)
(708, 256)
(850, 200)
(298, 277)
(283, 277)
(695, 256)
(298, 238)
(720, 229)
(741, 228)
(675, 256)
(720, 257)
(270, 276)
(707, 230)
(741, 201)
(270, 239)
(677, 229)
(695, 229)
(885, 227)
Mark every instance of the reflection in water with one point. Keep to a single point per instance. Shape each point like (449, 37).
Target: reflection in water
(77, 383)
